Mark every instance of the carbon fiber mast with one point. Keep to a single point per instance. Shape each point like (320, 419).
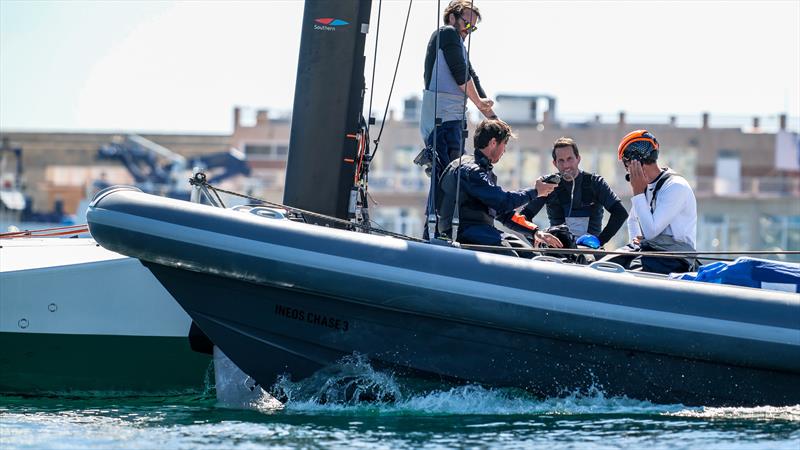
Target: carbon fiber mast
(328, 138)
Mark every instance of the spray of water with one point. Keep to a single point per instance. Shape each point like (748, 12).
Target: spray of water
(353, 387)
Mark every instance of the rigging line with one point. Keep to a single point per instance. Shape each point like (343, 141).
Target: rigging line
(455, 221)
(431, 212)
(394, 78)
(569, 251)
(343, 222)
(374, 62)
(701, 254)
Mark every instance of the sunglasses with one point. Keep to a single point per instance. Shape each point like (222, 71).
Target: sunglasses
(468, 25)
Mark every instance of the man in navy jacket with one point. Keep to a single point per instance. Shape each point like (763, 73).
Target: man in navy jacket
(480, 199)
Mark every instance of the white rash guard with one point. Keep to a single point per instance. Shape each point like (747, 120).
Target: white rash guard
(674, 214)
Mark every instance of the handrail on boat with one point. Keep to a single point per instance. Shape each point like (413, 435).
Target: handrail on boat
(47, 232)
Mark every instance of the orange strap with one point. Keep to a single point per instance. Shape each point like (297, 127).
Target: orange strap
(520, 220)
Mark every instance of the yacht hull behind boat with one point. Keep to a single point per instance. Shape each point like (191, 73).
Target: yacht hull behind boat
(76, 318)
(283, 297)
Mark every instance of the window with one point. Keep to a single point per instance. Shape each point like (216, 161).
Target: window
(274, 151)
(722, 233)
(780, 233)
(399, 220)
(262, 150)
(530, 166)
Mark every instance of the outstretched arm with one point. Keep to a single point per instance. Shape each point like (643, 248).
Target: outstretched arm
(477, 184)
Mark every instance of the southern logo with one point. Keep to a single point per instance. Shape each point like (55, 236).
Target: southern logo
(329, 24)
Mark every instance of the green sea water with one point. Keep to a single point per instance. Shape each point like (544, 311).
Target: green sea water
(469, 417)
(412, 415)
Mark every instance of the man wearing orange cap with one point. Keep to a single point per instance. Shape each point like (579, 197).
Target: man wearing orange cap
(663, 215)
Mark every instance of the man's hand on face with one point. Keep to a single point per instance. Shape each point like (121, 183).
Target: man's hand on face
(638, 180)
(541, 237)
(544, 189)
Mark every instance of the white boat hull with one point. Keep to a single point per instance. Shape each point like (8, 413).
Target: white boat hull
(77, 317)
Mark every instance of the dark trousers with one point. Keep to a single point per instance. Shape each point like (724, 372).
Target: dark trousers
(449, 146)
(634, 260)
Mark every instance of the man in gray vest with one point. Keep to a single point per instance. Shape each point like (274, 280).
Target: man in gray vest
(449, 77)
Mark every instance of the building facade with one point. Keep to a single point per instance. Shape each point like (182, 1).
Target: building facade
(748, 193)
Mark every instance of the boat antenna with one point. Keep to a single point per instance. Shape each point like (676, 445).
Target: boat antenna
(455, 221)
(430, 222)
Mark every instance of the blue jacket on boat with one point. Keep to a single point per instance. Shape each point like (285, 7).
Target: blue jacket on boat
(481, 200)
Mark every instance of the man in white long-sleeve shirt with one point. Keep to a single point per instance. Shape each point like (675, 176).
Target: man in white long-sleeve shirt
(663, 215)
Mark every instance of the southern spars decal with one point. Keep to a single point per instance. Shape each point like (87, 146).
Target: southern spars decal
(329, 24)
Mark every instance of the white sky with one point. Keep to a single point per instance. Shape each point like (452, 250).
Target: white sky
(182, 66)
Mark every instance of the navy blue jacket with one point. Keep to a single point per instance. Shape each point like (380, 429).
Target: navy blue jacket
(481, 200)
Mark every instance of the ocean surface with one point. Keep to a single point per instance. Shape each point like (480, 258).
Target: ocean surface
(330, 412)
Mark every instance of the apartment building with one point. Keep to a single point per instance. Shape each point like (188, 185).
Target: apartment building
(746, 179)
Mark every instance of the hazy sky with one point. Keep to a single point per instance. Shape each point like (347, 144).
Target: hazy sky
(182, 66)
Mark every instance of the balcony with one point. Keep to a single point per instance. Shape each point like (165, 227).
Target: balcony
(760, 187)
(399, 182)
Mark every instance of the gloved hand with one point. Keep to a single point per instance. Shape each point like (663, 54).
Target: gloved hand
(588, 240)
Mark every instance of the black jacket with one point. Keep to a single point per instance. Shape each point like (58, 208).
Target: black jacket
(586, 198)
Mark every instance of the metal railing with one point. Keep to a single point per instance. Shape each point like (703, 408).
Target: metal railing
(748, 187)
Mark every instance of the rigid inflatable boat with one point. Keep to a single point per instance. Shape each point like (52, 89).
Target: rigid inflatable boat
(280, 296)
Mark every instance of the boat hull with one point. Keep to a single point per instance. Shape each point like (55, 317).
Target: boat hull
(270, 331)
(282, 297)
(104, 365)
(76, 318)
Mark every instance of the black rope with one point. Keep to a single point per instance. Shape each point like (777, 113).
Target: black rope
(219, 199)
(431, 216)
(455, 221)
(667, 254)
(374, 63)
(345, 223)
(394, 78)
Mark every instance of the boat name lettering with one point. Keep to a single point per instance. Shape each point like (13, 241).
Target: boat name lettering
(311, 317)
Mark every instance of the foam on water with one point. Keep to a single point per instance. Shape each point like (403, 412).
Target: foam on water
(787, 413)
(341, 389)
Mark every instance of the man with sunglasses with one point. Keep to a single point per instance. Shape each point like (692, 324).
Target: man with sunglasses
(448, 77)
(663, 214)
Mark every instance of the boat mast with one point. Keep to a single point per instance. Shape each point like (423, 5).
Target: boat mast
(328, 106)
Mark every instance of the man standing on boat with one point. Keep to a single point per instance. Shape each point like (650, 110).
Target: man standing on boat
(473, 185)
(580, 197)
(449, 81)
(663, 213)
